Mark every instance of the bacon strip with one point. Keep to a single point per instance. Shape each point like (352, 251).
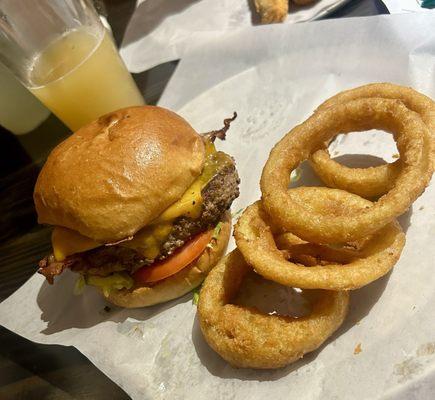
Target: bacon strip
(50, 268)
(221, 133)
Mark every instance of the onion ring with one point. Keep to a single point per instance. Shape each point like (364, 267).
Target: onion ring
(376, 257)
(412, 139)
(310, 254)
(373, 181)
(370, 182)
(247, 338)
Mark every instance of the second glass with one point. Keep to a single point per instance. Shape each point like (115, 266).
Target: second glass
(62, 53)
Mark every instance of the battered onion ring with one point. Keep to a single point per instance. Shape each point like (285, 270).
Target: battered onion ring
(310, 254)
(412, 139)
(245, 337)
(376, 257)
(367, 182)
(373, 181)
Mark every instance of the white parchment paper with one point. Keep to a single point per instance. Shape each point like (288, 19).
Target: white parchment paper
(164, 30)
(274, 77)
(405, 6)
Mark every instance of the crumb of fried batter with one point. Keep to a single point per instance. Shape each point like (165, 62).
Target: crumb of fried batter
(357, 349)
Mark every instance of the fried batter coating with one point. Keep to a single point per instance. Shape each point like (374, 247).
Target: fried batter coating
(271, 11)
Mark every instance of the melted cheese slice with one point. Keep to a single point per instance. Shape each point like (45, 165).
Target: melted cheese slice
(190, 204)
(149, 239)
(66, 242)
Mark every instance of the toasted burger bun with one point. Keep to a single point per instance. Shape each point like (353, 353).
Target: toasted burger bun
(115, 175)
(182, 282)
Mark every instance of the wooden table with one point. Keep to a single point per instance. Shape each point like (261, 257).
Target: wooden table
(29, 370)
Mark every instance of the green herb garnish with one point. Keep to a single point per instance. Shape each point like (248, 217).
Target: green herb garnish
(195, 298)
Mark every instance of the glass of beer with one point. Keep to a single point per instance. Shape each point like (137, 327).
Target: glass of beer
(61, 52)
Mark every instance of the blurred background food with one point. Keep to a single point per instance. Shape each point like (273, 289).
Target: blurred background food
(272, 11)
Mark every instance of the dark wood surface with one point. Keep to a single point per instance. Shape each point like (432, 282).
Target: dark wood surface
(29, 370)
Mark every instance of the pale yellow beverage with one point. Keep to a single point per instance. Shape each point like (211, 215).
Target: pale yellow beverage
(80, 77)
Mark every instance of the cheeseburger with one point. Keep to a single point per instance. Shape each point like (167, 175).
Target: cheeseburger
(139, 204)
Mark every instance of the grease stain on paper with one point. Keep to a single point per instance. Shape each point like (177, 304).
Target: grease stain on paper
(412, 366)
(134, 329)
(261, 121)
(407, 369)
(426, 349)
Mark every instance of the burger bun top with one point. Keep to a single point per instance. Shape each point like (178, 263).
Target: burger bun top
(115, 175)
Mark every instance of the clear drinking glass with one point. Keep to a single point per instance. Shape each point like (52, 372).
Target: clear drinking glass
(61, 52)
(20, 112)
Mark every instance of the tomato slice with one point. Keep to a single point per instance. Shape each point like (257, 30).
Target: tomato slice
(181, 259)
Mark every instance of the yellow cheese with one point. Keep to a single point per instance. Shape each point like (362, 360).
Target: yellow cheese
(209, 148)
(66, 242)
(190, 204)
(148, 240)
(162, 231)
